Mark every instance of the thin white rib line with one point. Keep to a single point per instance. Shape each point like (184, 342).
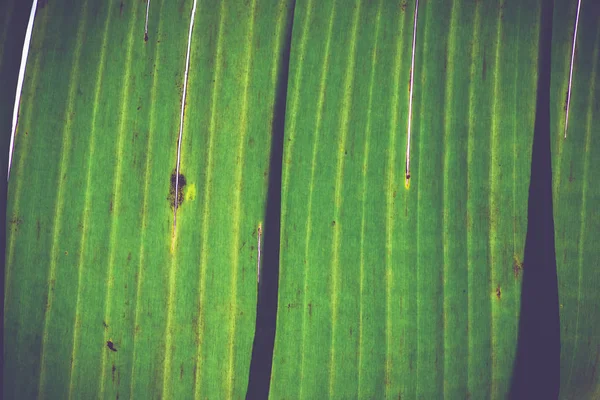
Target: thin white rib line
(571, 71)
(258, 256)
(412, 76)
(187, 67)
(146, 26)
(20, 84)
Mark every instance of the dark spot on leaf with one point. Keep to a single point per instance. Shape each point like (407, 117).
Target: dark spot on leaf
(110, 207)
(139, 107)
(498, 292)
(145, 40)
(403, 6)
(332, 223)
(517, 268)
(38, 229)
(571, 178)
(180, 183)
(113, 372)
(104, 324)
(111, 345)
(181, 371)
(310, 309)
(121, 9)
(128, 257)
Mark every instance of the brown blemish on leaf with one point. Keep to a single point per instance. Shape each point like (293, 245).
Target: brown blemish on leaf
(332, 223)
(113, 372)
(386, 379)
(403, 5)
(15, 222)
(121, 9)
(110, 345)
(104, 324)
(110, 207)
(194, 377)
(37, 229)
(128, 257)
(181, 371)
(310, 309)
(498, 292)
(180, 186)
(517, 266)
(571, 179)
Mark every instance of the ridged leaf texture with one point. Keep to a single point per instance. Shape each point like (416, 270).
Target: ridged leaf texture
(387, 288)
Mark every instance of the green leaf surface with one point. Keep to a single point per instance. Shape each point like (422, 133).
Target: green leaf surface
(394, 292)
(92, 254)
(387, 288)
(576, 173)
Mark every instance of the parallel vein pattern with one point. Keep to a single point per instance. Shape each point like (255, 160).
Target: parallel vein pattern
(101, 300)
(575, 190)
(393, 290)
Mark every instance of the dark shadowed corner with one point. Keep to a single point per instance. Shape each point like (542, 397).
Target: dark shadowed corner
(9, 73)
(536, 373)
(266, 308)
